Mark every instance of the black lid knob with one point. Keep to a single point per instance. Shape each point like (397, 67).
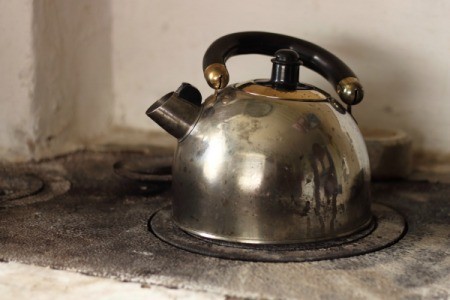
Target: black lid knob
(285, 69)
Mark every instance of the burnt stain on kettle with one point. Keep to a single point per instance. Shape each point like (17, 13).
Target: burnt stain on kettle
(258, 109)
(297, 205)
(308, 226)
(359, 191)
(246, 129)
(332, 189)
(306, 123)
(324, 178)
(306, 209)
(318, 204)
(209, 112)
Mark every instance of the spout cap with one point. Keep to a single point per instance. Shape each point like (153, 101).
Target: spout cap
(177, 111)
(189, 93)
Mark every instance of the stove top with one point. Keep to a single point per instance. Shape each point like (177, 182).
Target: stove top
(89, 212)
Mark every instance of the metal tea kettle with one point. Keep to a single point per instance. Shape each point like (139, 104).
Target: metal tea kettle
(271, 161)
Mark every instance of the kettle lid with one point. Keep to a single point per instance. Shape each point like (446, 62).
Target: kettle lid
(284, 81)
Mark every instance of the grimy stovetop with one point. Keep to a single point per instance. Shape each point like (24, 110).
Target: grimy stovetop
(89, 212)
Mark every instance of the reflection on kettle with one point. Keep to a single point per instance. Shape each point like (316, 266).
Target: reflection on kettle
(271, 161)
(213, 158)
(251, 177)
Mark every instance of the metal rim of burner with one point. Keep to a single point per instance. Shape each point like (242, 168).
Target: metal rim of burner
(388, 227)
(148, 169)
(46, 185)
(17, 186)
(153, 174)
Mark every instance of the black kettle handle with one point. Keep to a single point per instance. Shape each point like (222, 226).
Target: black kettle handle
(253, 42)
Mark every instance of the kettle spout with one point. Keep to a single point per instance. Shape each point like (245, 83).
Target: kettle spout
(177, 111)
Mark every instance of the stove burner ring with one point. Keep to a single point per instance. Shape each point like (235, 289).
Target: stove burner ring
(387, 228)
(148, 169)
(16, 186)
(150, 174)
(24, 186)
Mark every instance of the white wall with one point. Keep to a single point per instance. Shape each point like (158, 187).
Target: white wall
(55, 76)
(73, 100)
(16, 79)
(74, 70)
(399, 49)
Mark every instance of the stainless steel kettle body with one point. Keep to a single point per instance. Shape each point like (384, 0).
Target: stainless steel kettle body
(267, 161)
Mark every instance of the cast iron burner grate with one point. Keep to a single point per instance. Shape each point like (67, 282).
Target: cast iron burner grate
(387, 227)
(143, 168)
(16, 186)
(150, 175)
(27, 185)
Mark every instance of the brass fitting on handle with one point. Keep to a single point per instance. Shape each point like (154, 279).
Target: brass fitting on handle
(350, 90)
(217, 76)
